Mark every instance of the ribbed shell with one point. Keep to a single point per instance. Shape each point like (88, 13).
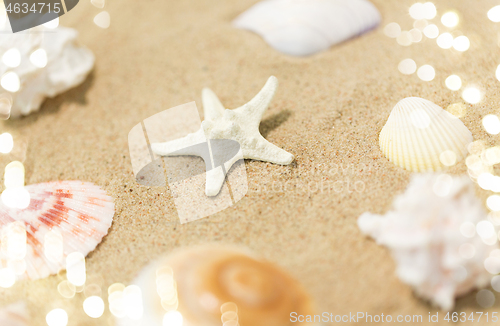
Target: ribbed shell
(418, 132)
(304, 27)
(80, 212)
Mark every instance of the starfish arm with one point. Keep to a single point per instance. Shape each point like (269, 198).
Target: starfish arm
(215, 180)
(181, 146)
(212, 107)
(268, 152)
(254, 109)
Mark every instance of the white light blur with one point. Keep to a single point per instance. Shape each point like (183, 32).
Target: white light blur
(392, 30)
(468, 229)
(493, 203)
(75, 269)
(6, 143)
(420, 24)
(407, 66)
(39, 58)
(450, 19)
(472, 95)
(494, 14)
(448, 158)
(17, 197)
(102, 19)
(492, 264)
(417, 11)
(10, 82)
(12, 58)
(429, 10)
(14, 175)
(416, 35)
(453, 82)
(497, 73)
(485, 229)
(57, 317)
(485, 180)
(172, 318)
(14, 240)
(404, 38)
(431, 31)
(445, 41)
(495, 283)
(53, 246)
(52, 24)
(5, 106)
(7, 278)
(491, 124)
(132, 302)
(426, 73)
(93, 306)
(116, 303)
(442, 185)
(461, 43)
(485, 298)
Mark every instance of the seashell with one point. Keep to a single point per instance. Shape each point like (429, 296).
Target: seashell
(14, 315)
(40, 64)
(420, 136)
(62, 217)
(304, 27)
(208, 278)
(431, 233)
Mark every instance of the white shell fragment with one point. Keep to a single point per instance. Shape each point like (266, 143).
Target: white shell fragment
(40, 64)
(62, 218)
(304, 27)
(420, 136)
(198, 282)
(240, 125)
(431, 233)
(14, 315)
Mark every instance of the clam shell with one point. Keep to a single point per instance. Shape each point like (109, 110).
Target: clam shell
(74, 215)
(304, 27)
(209, 276)
(420, 136)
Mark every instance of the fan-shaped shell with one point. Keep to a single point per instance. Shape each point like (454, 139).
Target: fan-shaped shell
(304, 27)
(420, 136)
(75, 215)
(209, 276)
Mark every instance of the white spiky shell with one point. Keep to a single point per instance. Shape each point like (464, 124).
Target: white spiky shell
(14, 315)
(418, 133)
(208, 276)
(424, 233)
(304, 27)
(68, 64)
(80, 212)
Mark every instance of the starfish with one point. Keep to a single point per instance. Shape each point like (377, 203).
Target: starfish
(230, 127)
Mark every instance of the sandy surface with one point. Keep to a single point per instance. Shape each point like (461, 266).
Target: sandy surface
(328, 112)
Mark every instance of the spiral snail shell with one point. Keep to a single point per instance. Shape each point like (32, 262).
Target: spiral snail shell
(209, 277)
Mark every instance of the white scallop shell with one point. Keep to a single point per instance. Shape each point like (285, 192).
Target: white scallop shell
(426, 232)
(67, 66)
(420, 136)
(78, 213)
(304, 27)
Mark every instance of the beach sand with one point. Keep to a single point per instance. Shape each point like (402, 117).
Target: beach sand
(328, 112)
